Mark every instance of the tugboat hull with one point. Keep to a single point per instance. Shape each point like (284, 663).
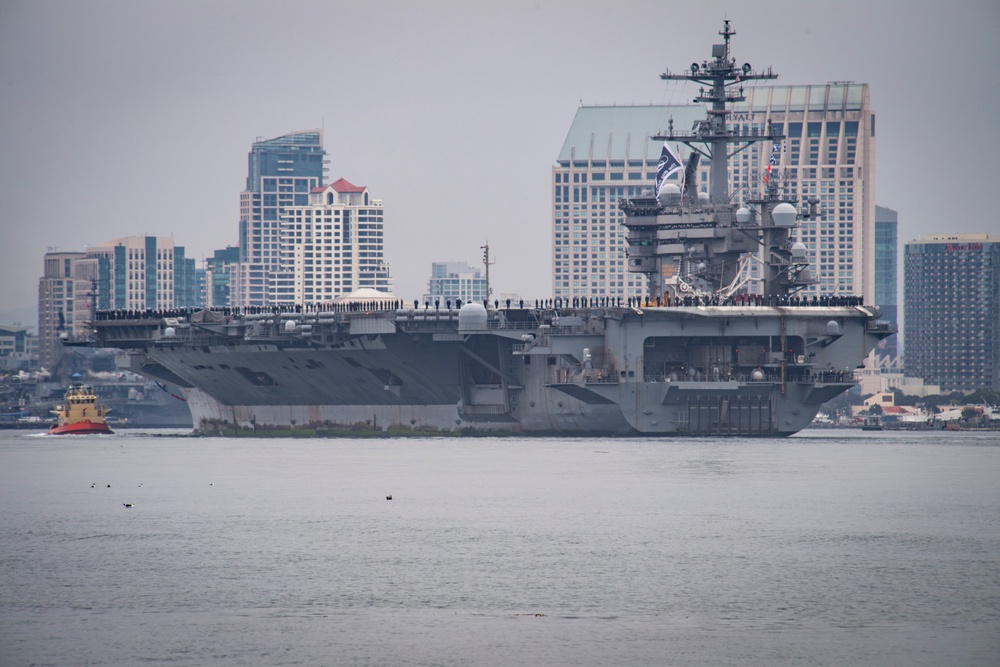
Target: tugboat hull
(80, 428)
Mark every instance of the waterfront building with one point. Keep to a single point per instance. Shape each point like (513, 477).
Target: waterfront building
(144, 272)
(828, 154)
(219, 269)
(18, 348)
(877, 380)
(331, 246)
(951, 309)
(67, 294)
(281, 173)
(886, 292)
(453, 281)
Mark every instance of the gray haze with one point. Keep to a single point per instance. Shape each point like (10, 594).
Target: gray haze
(122, 118)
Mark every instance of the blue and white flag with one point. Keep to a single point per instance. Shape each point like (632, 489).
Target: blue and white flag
(668, 164)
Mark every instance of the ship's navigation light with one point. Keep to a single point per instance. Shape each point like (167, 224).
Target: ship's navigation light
(694, 68)
(746, 68)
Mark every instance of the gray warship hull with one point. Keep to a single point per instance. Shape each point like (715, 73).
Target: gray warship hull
(684, 366)
(698, 370)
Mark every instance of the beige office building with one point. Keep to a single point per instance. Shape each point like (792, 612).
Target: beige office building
(66, 296)
(828, 153)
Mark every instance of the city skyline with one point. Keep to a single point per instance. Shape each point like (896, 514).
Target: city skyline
(456, 124)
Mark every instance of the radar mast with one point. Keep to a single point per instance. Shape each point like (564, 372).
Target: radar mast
(702, 246)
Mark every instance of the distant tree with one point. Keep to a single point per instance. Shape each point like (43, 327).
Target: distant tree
(981, 396)
(875, 409)
(841, 405)
(899, 398)
(936, 400)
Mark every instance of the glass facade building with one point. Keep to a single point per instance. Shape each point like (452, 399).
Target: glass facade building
(218, 273)
(144, 272)
(886, 268)
(952, 311)
(281, 173)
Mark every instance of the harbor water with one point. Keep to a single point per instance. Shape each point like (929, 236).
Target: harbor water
(833, 547)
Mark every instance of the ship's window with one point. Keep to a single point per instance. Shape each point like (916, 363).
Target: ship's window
(527, 361)
(551, 361)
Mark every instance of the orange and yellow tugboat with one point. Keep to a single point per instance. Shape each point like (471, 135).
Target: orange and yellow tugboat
(80, 414)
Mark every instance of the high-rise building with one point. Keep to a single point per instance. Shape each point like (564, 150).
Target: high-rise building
(951, 309)
(129, 273)
(218, 273)
(281, 173)
(453, 281)
(608, 154)
(886, 292)
(144, 272)
(331, 246)
(828, 154)
(66, 299)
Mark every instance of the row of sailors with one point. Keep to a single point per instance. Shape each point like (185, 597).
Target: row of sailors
(558, 302)
(237, 311)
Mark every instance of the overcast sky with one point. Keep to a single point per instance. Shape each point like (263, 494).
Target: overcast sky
(126, 118)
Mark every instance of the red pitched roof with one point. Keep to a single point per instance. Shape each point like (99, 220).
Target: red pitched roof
(341, 185)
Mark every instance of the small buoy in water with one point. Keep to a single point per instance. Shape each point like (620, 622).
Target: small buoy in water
(129, 505)
(389, 497)
(93, 485)
(109, 486)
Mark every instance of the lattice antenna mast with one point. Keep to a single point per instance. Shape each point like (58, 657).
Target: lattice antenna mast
(488, 263)
(712, 136)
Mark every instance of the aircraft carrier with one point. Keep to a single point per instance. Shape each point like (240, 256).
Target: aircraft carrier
(705, 352)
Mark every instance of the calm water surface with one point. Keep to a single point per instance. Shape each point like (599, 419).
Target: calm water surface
(829, 548)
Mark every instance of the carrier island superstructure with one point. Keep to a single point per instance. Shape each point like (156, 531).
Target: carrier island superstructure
(700, 354)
